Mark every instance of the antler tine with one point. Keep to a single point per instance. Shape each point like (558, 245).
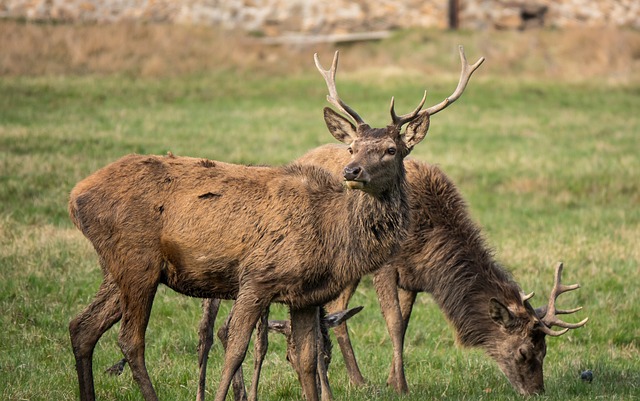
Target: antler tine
(332, 97)
(548, 313)
(336, 318)
(553, 333)
(465, 75)
(542, 310)
(399, 121)
(568, 311)
(526, 297)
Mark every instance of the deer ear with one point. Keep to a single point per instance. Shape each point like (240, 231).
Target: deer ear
(280, 326)
(416, 130)
(339, 126)
(500, 314)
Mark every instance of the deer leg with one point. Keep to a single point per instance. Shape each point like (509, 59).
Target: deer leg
(324, 358)
(407, 300)
(205, 333)
(304, 334)
(86, 329)
(342, 335)
(244, 315)
(385, 281)
(136, 309)
(260, 352)
(239, 392)
(323, 376)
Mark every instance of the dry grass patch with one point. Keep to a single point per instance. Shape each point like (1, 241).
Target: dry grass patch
(157, 50)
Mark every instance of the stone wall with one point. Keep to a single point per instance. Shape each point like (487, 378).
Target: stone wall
(559, 13)
(277, 17)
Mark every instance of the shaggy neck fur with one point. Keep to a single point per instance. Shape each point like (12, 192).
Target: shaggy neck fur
(459, 268)
(355, 235)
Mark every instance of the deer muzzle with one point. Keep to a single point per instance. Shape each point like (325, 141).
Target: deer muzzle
(354, 177)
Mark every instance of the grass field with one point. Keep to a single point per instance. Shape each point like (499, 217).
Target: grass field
(549, 163)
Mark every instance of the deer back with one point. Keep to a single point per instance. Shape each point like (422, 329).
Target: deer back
(213, 224)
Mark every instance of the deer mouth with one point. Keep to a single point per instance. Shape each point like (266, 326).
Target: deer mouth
(354, 184)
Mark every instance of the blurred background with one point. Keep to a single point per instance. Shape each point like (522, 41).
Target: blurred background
(564, 39)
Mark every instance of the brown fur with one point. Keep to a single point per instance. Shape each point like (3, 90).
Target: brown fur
(259, 258)
(289, 234)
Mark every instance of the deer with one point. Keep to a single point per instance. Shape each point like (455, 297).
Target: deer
(446, 255)
(293, 234)
(320, 156)
(324, 345)
(210, 309)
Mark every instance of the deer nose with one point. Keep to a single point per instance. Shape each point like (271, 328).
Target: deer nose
(351, 173)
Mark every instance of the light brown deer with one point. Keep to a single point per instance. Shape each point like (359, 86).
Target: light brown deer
(294, 234)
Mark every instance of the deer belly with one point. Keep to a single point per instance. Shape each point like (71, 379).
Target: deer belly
(199, 274)
(202, 283)
(305, 291)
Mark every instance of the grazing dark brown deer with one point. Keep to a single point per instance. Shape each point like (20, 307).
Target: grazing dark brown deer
(324, 347)
(446, 255)
(293, 234)
(283, 327)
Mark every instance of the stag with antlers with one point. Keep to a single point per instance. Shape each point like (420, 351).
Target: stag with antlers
(447, 256)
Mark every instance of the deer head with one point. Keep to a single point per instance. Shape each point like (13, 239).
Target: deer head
(374, 149)
(520, 346)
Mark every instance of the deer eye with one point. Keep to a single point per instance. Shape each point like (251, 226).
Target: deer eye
(391, 151)
(350, 149)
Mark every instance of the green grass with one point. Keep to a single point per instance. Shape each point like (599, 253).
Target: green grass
(551, 171)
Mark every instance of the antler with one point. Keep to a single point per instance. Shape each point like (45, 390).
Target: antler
(331, 320)
(398, 121)
(402, 120)
(465, 75)
(548, 313)
(526, 297)
(332, 97)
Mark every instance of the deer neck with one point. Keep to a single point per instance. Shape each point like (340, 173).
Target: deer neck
(447, 256)
(377, 225)
(464, 298)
